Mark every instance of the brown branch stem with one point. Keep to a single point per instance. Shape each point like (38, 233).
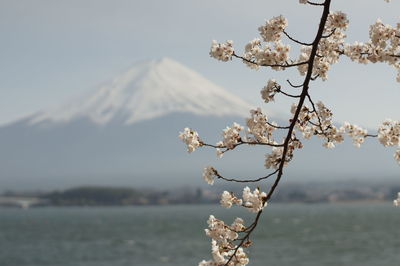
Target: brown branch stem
(303, 96)
(315, 4)
(294, 40)
(246, 180)
(272, 65)
(294, 86)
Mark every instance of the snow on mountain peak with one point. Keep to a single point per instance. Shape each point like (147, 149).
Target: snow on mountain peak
(149, 90)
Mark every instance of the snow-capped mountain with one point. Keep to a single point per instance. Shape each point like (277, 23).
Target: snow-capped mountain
(126, 133)
(147, 91)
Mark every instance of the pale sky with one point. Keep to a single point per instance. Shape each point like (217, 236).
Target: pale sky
(52, 51)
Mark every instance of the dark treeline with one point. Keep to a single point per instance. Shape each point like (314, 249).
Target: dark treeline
(112, 196)
(124, 196)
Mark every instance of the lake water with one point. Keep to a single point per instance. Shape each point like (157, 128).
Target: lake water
(288, 234)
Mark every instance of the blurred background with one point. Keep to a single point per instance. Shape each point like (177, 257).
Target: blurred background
(94, 93)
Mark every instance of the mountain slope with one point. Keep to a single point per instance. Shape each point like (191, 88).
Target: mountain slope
(124, 132)
(147, 91)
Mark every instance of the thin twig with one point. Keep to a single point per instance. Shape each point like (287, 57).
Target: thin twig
(296, 41)
(294, 86)
(315, 77)
(245, 180)
(315, 4)
(318, 117)
(241, 142)
(272, 65)
(329, 35)
(278, 127)
(287, 94)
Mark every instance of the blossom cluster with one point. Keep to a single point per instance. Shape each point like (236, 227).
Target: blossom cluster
(209, 174)
(389, 135)
(252, 50)
(325, 128)
(191, 139)
(268, 92)
(357, 133)
(222, 233)
(228, 199)
(231, 136)
(223, 249)
(337, 20)
(222, 243)
(255, 201)
(274, 159)
(383, 46)
(259, 127)
(275, 55)
(259, 130)
(318, 122)
(329, 46)
(273, 28)
(230, 139)
(222, 51)
(396, 202)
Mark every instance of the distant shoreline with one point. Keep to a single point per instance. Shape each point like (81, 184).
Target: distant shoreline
(93, 196)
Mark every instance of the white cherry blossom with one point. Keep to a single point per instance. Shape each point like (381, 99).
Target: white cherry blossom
(273, 29)
(228, 199)
(231, 136)
(209, 174)
(254, 201)
(222, 51)
(190, 138)
(259, 128)
(268, 92)
(396, 202)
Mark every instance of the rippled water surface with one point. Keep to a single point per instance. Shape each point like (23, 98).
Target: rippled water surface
(288, 234)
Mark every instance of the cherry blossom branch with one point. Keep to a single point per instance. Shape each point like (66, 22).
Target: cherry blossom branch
(250, 229)
(288, 138)
(314, 62)
(268, 65)
(304, 94)
(241, 142)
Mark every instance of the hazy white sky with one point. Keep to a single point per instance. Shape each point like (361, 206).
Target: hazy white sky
(52, 51)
